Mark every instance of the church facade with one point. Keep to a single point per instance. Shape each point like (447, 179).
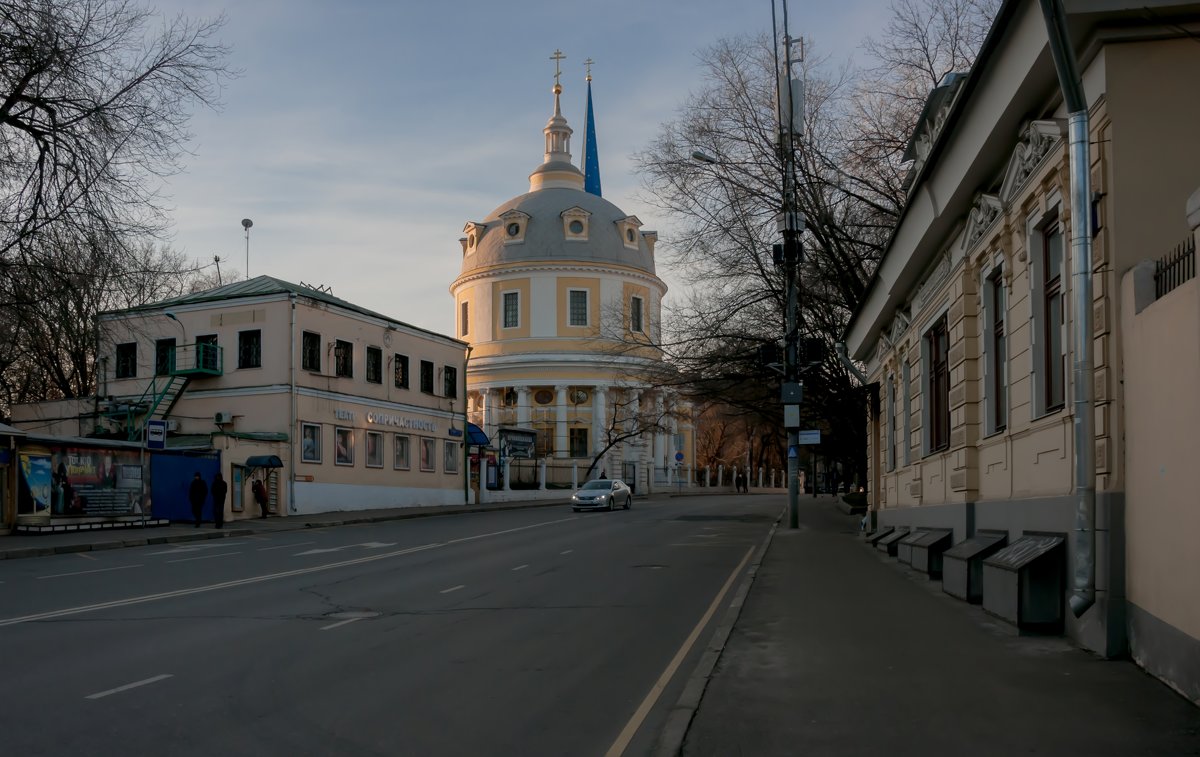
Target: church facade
(560, 303)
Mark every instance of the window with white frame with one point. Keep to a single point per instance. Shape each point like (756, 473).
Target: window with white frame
(891, 422)
(512, 310)
(578, 307)
(1047, 245)
(935, 354)
(995, 341)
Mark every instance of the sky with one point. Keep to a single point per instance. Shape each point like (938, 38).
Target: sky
(361, 135)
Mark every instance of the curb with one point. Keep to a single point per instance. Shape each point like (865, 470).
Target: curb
(670, 740)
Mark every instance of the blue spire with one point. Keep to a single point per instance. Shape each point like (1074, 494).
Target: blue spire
(591, 159)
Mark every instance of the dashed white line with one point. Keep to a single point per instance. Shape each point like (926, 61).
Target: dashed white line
(331, 626)
(205, 557)
(85, 555)
(286, 546)
(566, 552)
(128, 686)
(85, 572)
(453, 588)
(521, 567)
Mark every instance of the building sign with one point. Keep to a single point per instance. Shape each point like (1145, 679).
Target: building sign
(80, 481)
(413, 424)
(812, 436)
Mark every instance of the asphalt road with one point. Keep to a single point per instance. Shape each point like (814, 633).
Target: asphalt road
(526, 632)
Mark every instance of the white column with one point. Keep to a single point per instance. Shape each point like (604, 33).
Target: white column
(659, 451)
(691, 477)
(721, 475)
(575, 475)
(542, 473)
(507, 471)
(772, 478)
(523, 406)
(560, 421)
(760, 476)
(599, 420)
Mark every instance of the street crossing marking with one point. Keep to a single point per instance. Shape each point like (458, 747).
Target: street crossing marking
(128, 686)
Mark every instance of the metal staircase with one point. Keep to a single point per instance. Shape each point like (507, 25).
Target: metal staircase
(158, 400)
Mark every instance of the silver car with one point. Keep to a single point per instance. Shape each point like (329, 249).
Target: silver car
(602, 494)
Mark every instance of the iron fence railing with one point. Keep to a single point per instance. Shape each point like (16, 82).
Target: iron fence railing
(1176, 268)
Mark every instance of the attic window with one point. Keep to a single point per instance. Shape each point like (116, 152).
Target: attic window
(514, 223)
(630, 235)
(513, 229)
(575, 224)
(628, 229)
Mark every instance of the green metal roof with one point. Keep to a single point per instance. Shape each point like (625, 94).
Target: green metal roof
(266, 285)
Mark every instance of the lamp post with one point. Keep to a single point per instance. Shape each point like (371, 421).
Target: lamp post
(246, 224)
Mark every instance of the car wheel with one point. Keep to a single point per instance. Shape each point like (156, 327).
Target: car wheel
(628, 502)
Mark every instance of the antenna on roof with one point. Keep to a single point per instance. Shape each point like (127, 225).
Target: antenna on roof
(217, 260)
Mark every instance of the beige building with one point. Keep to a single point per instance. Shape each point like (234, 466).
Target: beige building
(559, 300)
(363, 411)
(966, 330)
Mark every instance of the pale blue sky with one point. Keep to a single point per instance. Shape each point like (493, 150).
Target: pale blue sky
(363, 134)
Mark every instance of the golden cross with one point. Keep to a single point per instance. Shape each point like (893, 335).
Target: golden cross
(589, 63)
(558, 55)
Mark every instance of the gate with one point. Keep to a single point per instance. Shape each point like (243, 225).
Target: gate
(629, 475)
(170, 476)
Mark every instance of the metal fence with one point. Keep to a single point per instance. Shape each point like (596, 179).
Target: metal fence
(1176, 268)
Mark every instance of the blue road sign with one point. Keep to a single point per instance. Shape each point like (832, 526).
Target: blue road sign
(156, 434)
(809, 437)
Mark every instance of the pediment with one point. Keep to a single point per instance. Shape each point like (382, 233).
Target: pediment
(1035, 143)
(984, 211)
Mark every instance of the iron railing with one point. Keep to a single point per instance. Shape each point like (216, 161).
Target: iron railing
(1176, 268)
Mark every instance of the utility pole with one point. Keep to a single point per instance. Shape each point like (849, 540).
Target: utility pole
(790, 102)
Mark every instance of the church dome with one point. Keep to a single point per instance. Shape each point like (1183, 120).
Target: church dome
(537, 226)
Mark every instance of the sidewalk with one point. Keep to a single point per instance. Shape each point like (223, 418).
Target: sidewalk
(39, 545)
(839, 650)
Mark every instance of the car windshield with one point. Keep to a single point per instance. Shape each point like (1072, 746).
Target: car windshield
(599, 484)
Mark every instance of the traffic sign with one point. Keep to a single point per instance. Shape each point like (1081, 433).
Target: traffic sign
(679, 457)
(812, 436)
(156, 434)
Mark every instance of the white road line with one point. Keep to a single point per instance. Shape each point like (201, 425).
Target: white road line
(331, 626)
(285, 546)
(453, 588)
(128, 686)
(566, 552)
(521, 567)
(85, 572)
(85, 555)
(204, 557)
(259, 579)
(622, 743)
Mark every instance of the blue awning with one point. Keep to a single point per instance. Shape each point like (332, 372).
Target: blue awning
(476, 437)
(264, 461)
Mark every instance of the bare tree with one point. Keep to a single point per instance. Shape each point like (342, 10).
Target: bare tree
(850, 185)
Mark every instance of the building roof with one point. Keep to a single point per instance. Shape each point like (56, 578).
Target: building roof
(260, 286)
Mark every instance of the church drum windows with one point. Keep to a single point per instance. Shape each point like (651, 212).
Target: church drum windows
(511, 310)
(577, 307)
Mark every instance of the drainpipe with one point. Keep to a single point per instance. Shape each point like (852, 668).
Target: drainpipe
(466, 435)
(850, 366)
(1083, 593)
(292, 435)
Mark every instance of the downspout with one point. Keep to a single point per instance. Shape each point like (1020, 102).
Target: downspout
(467, 435)
(292, 435)
(1083, 594)
(850, 366)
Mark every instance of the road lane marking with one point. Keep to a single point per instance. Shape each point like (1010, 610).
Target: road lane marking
(318, 551)
(65, 612)
(204, 557)
(85, 555)
(128, 686)
(332, 626)
(193, 547)
(566, 552)
(453, 588)
(85, 572)
(521, 567)
(286, 546)
(627, 733)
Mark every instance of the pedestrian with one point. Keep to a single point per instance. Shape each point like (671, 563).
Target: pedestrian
(218, 489)
(603, 473)
(260, 495)
(197, 493)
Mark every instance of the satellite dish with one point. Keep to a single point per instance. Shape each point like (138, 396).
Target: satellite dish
(247, 223)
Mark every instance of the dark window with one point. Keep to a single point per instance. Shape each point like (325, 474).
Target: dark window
(250, 349)
(1052, 311)
(578, 307)
(579, 441)
(164, 357)
(401, 371)
(207, 352)
(449, 381)
(938, 343)
(465, 322)
(427, 377)
(635, 314)
(310, 352)
(512, 302)
(999, 353)
(343, 359)
(374, 366)
(127, 360)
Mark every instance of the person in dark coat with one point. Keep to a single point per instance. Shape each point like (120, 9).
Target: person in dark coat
(218, 489)
(197, 493)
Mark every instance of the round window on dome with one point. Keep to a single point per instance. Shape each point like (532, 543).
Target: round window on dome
(514, 229)
(629, 234)
(471, 241)
(576, 227)
(543, 396)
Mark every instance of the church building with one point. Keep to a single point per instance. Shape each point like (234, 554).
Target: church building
(560, 303)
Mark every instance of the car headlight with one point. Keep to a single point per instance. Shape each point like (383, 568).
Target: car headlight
(574, 496)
